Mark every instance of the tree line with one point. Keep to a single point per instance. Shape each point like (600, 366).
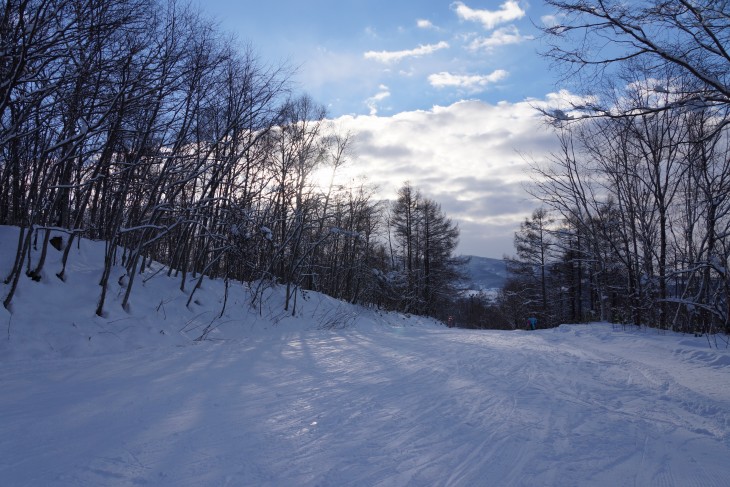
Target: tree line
(635, 222)
(140, 124)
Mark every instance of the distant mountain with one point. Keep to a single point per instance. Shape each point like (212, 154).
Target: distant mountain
(484, 273)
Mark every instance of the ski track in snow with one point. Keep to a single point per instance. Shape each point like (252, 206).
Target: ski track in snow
(574, 406)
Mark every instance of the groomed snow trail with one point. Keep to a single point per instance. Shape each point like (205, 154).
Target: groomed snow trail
(574, 406)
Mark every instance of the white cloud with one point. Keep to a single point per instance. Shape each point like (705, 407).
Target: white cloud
(466, 156)
(552, 20)
(500, 37)
(565, 100)
(508, 12)
(471, 82)
(549, 20)
(424, 24)
(374, 100)
(395, 56)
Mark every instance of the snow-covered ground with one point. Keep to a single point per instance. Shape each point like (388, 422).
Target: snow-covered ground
(338, 395)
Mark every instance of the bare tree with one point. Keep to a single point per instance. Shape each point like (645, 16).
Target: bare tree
(592, 37)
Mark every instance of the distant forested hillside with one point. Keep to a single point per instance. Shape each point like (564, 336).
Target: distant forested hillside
(485, 273)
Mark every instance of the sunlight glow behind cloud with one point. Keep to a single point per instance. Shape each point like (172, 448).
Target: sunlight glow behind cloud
(471, 157)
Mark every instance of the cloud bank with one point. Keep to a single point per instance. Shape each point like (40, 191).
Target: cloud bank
(471, 157)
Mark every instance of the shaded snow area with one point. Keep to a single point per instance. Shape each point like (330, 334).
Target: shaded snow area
(338, 395)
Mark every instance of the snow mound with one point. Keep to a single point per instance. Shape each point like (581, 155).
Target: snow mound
(57, 318)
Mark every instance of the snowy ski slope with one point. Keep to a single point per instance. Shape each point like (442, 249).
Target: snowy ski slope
(376, 399)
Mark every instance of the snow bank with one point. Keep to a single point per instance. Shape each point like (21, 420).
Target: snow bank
(53, 318)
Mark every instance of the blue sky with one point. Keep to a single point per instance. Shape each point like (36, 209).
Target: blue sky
(341, 49)
(439, 93)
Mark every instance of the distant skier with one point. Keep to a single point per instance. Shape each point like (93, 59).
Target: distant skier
(533, 322)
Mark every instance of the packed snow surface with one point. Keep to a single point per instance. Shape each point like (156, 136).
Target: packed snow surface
(339, 395)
